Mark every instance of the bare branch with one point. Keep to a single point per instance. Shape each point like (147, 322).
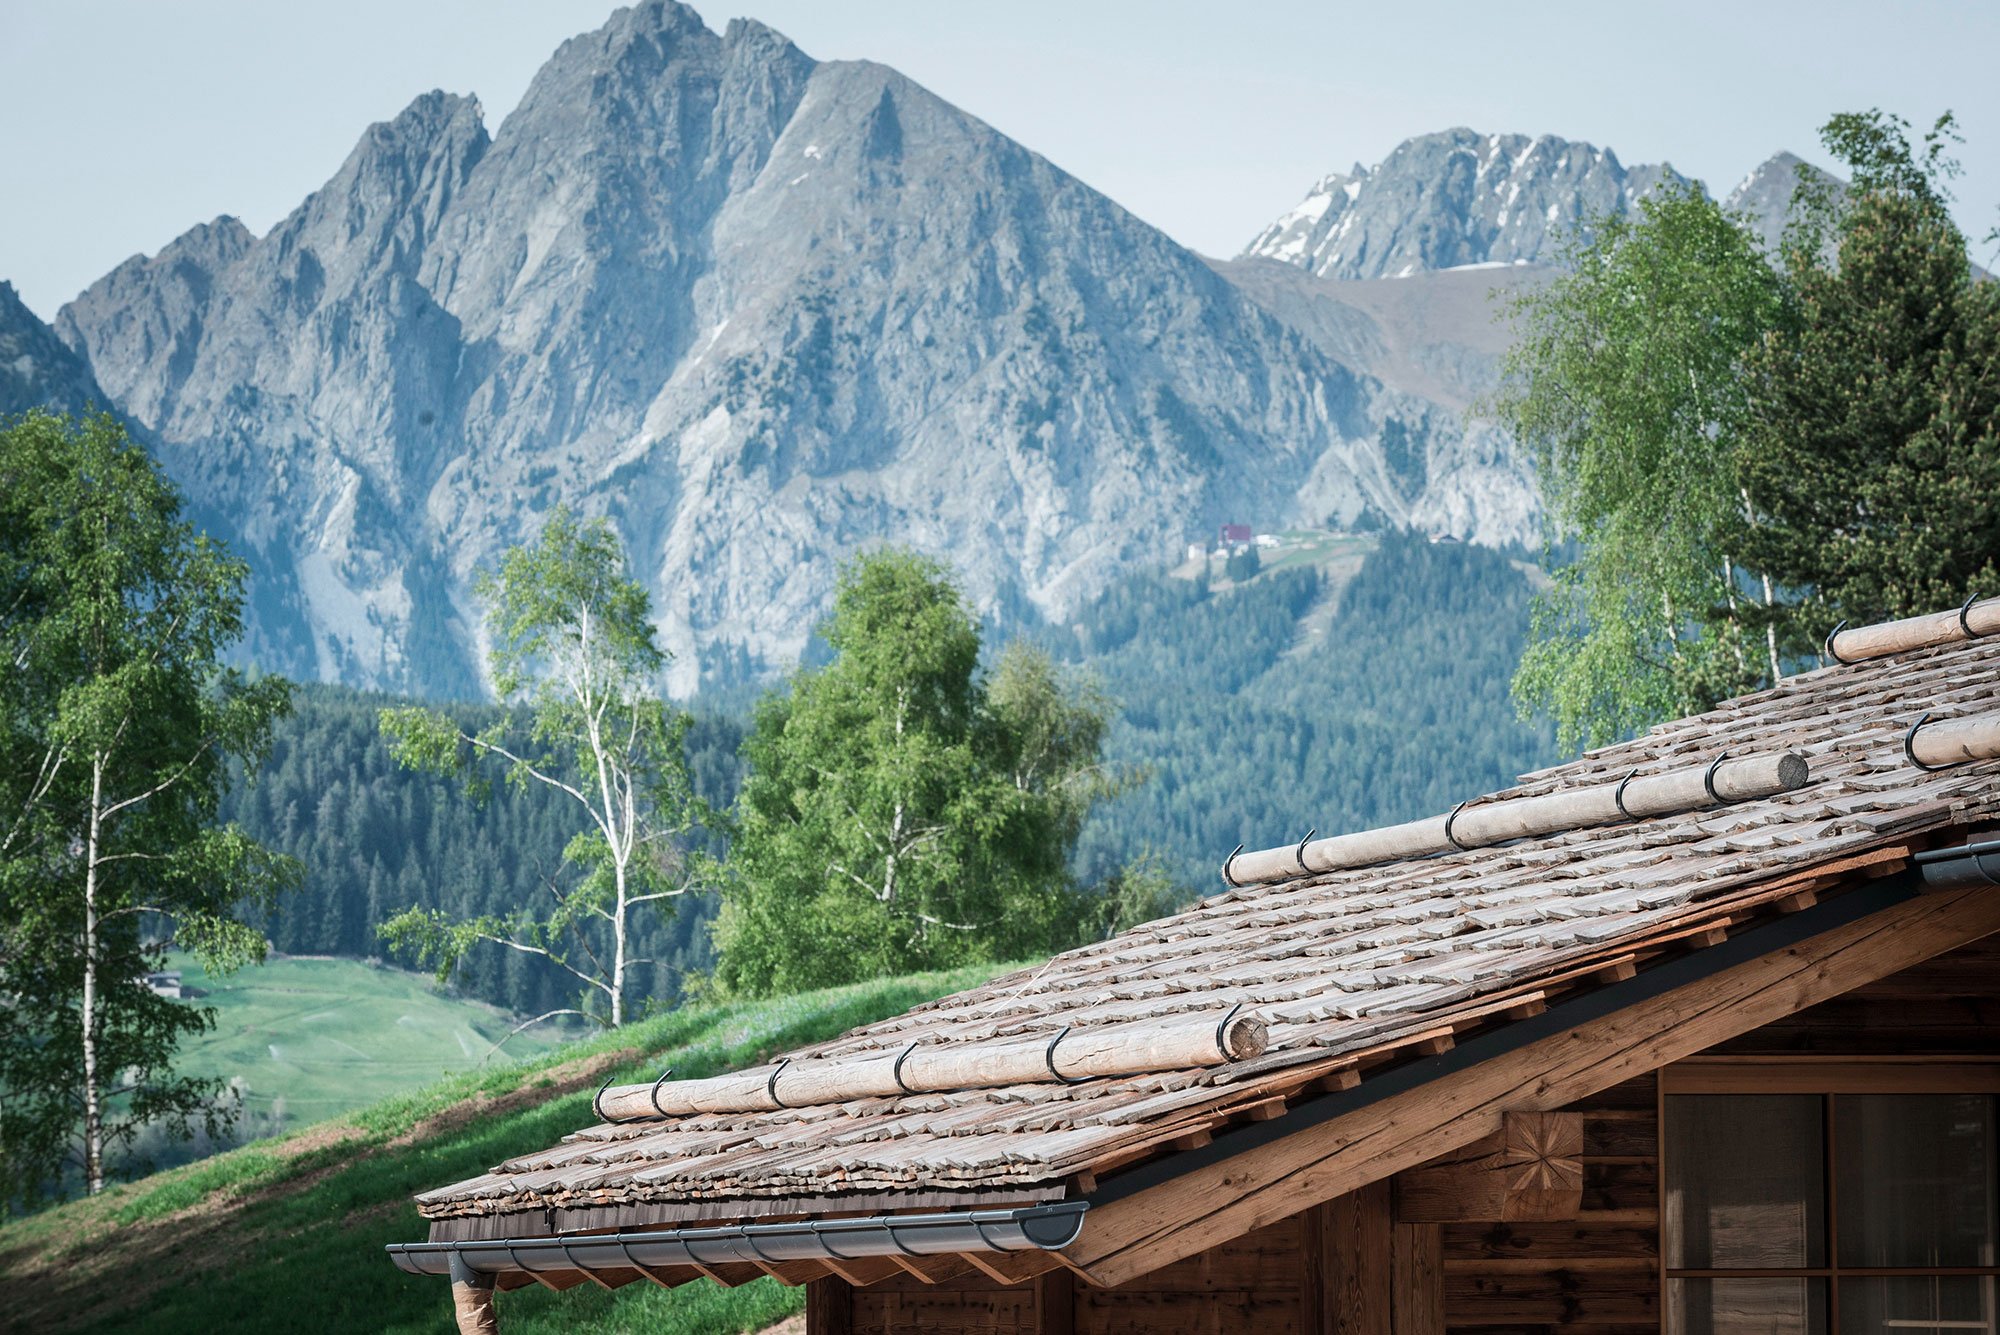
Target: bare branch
(545, 1015)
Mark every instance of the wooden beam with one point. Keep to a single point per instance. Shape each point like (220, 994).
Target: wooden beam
(933, 1269)
(1416, 1279)
(728, 1275)
(1178, 1218)
(829, 1307)
(1356, 1231)
(1316, 1269)
(861, 1271)
(1055, 1303)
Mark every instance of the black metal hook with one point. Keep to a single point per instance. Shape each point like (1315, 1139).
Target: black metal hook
(1618, 798)
(1049, 1059)
(1829, 642)
(654, 1094)
(1452, 820)
(896, 1071)
(1910, 747)
(1222, 1031)
(1229, 862)
(1965, 617)
(597, 1107)
(1300, 855)
(771, 1085)
(1708, 777)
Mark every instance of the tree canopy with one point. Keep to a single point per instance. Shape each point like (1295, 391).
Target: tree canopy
(574, 651)
(1738, 450)
(901, 810)
(119, 731)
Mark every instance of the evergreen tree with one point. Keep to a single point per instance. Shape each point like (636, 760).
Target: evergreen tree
(1874, 458)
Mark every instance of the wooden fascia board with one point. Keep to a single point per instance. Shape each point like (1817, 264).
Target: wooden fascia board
(1138, 1233)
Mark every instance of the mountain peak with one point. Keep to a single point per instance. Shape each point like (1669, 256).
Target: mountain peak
(1453, 198)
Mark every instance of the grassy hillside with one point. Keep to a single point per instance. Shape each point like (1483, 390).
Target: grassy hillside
(303, 1040)
(291, 1230)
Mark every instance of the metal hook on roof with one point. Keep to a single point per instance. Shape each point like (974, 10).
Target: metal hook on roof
(1300, 856)
(1965, 617)
(1049, 1059)
(597, 1106)
(771, 1085)
(1222, 1031)
(1229, 862)
(1829, 642)
(1618, 797)
(653, 1095)
(1452, 820)
(1708, 777)
(896, 1071)
(1910, 747)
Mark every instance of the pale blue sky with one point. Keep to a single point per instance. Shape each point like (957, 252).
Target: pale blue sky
(123, 122)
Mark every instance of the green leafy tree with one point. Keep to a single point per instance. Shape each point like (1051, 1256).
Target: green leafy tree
(1626, 383)
(120, 730)
(574, 648)
(1874, 444)
(899, 812)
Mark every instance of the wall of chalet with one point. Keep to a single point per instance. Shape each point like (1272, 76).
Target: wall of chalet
(1404, 1258)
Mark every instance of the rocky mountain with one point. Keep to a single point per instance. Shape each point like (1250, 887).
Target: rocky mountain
(1451, 200)
(762, 312)
(36, 369)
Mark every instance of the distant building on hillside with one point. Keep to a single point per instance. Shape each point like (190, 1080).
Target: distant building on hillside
(166, 983)
(1235, 535)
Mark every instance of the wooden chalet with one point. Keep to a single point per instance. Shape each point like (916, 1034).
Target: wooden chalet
(1696, 1034)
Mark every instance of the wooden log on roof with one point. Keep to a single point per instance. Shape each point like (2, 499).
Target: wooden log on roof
(1895, 637)
(1497, 821)
(1179, 1043)
(1956, 741)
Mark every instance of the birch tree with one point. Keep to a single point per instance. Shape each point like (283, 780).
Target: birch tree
(121, 727)
(1627, 384)
(574, 654)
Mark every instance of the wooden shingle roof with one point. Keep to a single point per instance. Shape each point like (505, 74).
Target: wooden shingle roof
(1350, 970)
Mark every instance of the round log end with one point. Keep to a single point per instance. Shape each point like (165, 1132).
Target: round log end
(1792, 771)
(1245, 1036)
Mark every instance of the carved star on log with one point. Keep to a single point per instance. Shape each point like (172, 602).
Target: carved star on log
(1541, 1159)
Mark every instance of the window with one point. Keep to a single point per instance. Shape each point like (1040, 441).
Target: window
(1829, 1213)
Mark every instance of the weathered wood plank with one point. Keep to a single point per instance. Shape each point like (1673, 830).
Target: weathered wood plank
(1549, 1243)
(1551, 1297)
(1357, 1228)
(1138, 1311)
(1055, 1303)
(1416, 1280)
(829, 1307)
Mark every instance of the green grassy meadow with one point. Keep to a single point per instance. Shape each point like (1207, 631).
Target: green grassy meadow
(288, 1233)
(305, 1039)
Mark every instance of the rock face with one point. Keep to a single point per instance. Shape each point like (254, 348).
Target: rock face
(36, 369)
(760, 311)
(1449, 200)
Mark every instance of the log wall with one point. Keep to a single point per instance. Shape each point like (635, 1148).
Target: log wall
(1397, 1259)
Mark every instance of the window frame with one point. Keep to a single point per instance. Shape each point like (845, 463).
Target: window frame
(1827, 1078)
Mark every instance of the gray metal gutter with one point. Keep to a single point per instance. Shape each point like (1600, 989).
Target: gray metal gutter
(1025, 1228)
